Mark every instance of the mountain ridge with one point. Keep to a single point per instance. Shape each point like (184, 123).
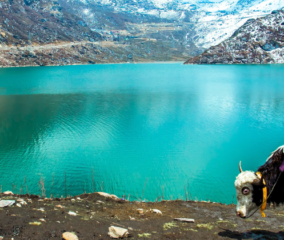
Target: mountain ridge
(115, 30)
(40, 22)
(258, 41)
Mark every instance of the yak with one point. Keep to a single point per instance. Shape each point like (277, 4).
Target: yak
(266, 186)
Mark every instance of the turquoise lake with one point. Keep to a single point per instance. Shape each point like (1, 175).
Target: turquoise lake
(175, 125)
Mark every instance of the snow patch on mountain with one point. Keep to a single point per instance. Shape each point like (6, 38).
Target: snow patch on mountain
(170, 14)
(217, 21)
(258, 41)
(213, 20)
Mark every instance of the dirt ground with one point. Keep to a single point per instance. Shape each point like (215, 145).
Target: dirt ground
(95, 214)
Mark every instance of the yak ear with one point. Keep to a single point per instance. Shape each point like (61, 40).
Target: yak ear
(257, 182)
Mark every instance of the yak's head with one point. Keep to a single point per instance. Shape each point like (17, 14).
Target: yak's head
(249, 192)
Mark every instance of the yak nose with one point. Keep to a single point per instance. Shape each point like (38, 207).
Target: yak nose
(240, 214)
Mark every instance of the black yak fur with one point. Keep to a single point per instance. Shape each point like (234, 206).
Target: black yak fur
(257, 195)
(270, 172)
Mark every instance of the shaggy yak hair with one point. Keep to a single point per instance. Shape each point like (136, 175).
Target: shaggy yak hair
(250, 187)
(270, 172)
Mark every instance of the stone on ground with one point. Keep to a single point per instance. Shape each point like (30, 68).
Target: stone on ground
(185, 219)
(108, 195)
(8, 193)
(69, 236)
(6, 203)
(156, 211)
(117, 232)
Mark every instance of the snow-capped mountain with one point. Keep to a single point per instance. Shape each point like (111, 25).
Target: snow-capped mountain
(52, 32)
(177, 6)
(219, 20)
(214, 20)
(258, 41)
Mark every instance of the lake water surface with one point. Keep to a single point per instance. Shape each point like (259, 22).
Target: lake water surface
(172, 124)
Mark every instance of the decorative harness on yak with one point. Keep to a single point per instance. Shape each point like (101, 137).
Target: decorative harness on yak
(262, 207)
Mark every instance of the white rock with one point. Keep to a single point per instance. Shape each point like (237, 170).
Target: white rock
(69, 236)
(108, 195)
(140, 210)
(8, 193)
(72, 213)
(42, 219)
(41, 209)
(156, 211)
(185, 219)
(6, 203)
(23, 202)
(117, 232)
(59, 206)
(18, 205)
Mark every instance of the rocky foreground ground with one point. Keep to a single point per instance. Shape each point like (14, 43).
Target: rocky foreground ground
(89, 216)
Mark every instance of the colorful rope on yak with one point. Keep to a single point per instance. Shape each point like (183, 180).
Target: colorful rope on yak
(264, 195)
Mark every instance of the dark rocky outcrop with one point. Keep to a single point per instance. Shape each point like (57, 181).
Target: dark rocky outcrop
(40, 22)
(258, 41)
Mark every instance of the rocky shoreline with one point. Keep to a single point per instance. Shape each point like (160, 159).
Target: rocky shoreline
(76, 53)
(89, 216)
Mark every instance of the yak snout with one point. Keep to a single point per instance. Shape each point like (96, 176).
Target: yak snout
(240, 214)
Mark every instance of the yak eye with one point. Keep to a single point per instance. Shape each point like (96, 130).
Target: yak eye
(245, 191)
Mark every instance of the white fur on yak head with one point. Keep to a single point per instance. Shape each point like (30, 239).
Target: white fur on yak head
(245, 184)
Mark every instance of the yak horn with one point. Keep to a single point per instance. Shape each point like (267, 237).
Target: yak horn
(257, 182)
(240, 167)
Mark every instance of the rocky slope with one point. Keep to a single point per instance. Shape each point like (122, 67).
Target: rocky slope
(208, 22)
(41, 32)
(123, 22)
(40, 22)
(258, 41)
